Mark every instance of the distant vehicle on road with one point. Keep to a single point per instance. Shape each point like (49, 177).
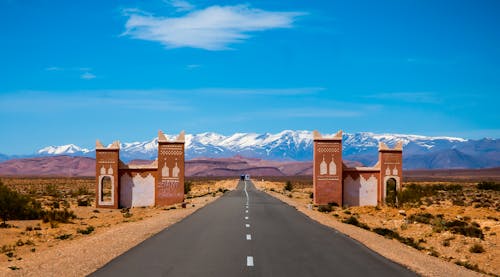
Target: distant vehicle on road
(245, 177)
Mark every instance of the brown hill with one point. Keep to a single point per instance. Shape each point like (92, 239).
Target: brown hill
(64, 166)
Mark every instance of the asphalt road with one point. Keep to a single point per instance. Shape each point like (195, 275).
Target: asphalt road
(265, 238)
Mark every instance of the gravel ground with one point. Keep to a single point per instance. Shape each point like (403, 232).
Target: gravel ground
(411, 258)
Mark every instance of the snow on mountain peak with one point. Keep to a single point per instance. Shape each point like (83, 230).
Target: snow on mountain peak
(62, 149)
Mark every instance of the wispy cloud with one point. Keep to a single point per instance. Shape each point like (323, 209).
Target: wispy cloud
(213, 28)
(180, 5)
(87, 76)
(410, 97)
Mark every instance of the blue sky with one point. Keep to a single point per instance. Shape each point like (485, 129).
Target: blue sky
(75, 71)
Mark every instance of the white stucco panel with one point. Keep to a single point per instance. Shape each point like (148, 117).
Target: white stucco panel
(360, 192)
(138, 191)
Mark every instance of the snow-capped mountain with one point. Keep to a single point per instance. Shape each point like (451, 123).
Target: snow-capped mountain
(419, 151)
(62, 150)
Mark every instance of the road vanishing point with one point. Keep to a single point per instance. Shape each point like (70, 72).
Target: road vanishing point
(247, 232)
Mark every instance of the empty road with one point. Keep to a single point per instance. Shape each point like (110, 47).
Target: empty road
(249, 233)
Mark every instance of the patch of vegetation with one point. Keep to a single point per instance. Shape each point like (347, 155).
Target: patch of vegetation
(51, 190)
(288, 186)
(187, 186)
(64, 236)
(395, 235)
(464, 228)
(223, 190)
(476, 248)
(421, 217)
(14, 205)
(354, 221)
(126, 213)
(324, 208)
(58, 216)
(86, 231)
(84, 201)
(413, 193)
(468, 265)
(488, 186)
(13, 267)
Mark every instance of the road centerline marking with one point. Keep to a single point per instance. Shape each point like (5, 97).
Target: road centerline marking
(249, 237)
(247, 225)
(246, 193)
(249, 261)
(246, 217)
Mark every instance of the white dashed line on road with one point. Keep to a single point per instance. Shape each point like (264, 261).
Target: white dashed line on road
(246, 217)
(249, 261)
(249, 237)
(247, 225)
(246, 211)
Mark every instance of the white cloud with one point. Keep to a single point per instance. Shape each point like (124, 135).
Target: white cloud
(87, 76)
(54, 68)
(213, 28)
(410, 97)
(180, 5)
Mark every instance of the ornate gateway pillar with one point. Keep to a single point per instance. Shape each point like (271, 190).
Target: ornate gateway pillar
(327, 169)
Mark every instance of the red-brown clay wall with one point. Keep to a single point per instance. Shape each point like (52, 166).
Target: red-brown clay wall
(391, 166)
(170, 177)
(107, 164)
(327, 171)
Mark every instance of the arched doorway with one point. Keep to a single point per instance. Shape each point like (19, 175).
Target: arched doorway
(391, 197)
(106, 189)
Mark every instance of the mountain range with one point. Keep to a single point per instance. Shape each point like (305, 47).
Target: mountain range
(419, 152)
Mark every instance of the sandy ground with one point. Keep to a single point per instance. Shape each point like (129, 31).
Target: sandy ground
(420, 262)
(80, 255)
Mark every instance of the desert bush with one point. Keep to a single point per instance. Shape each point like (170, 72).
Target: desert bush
(488, 186)
(311, 195)
(395, 235)
(476, 248)
(187, 186)
(324, 208)
(86, 231)
(55, 216)
(14, 205)
(421, 217)
(288, 186)
(64, 236)
(413, 193)
(468, 265)
(464, 228)
(84, 201)
(51, 190)
(354, 221)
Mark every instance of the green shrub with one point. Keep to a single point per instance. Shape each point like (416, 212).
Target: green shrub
(354, 221)
(324, 208)
(64, 236)
(288, 186)
(395, 235)
(476, 248)
(62, 216)
(421, 217)
(488, 186)
(51, 190)
(84, 201)
(187, 186)
(86, 231)
(14, 205)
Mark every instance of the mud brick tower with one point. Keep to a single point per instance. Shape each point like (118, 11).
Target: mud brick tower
(334, 182)
(160, 183)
